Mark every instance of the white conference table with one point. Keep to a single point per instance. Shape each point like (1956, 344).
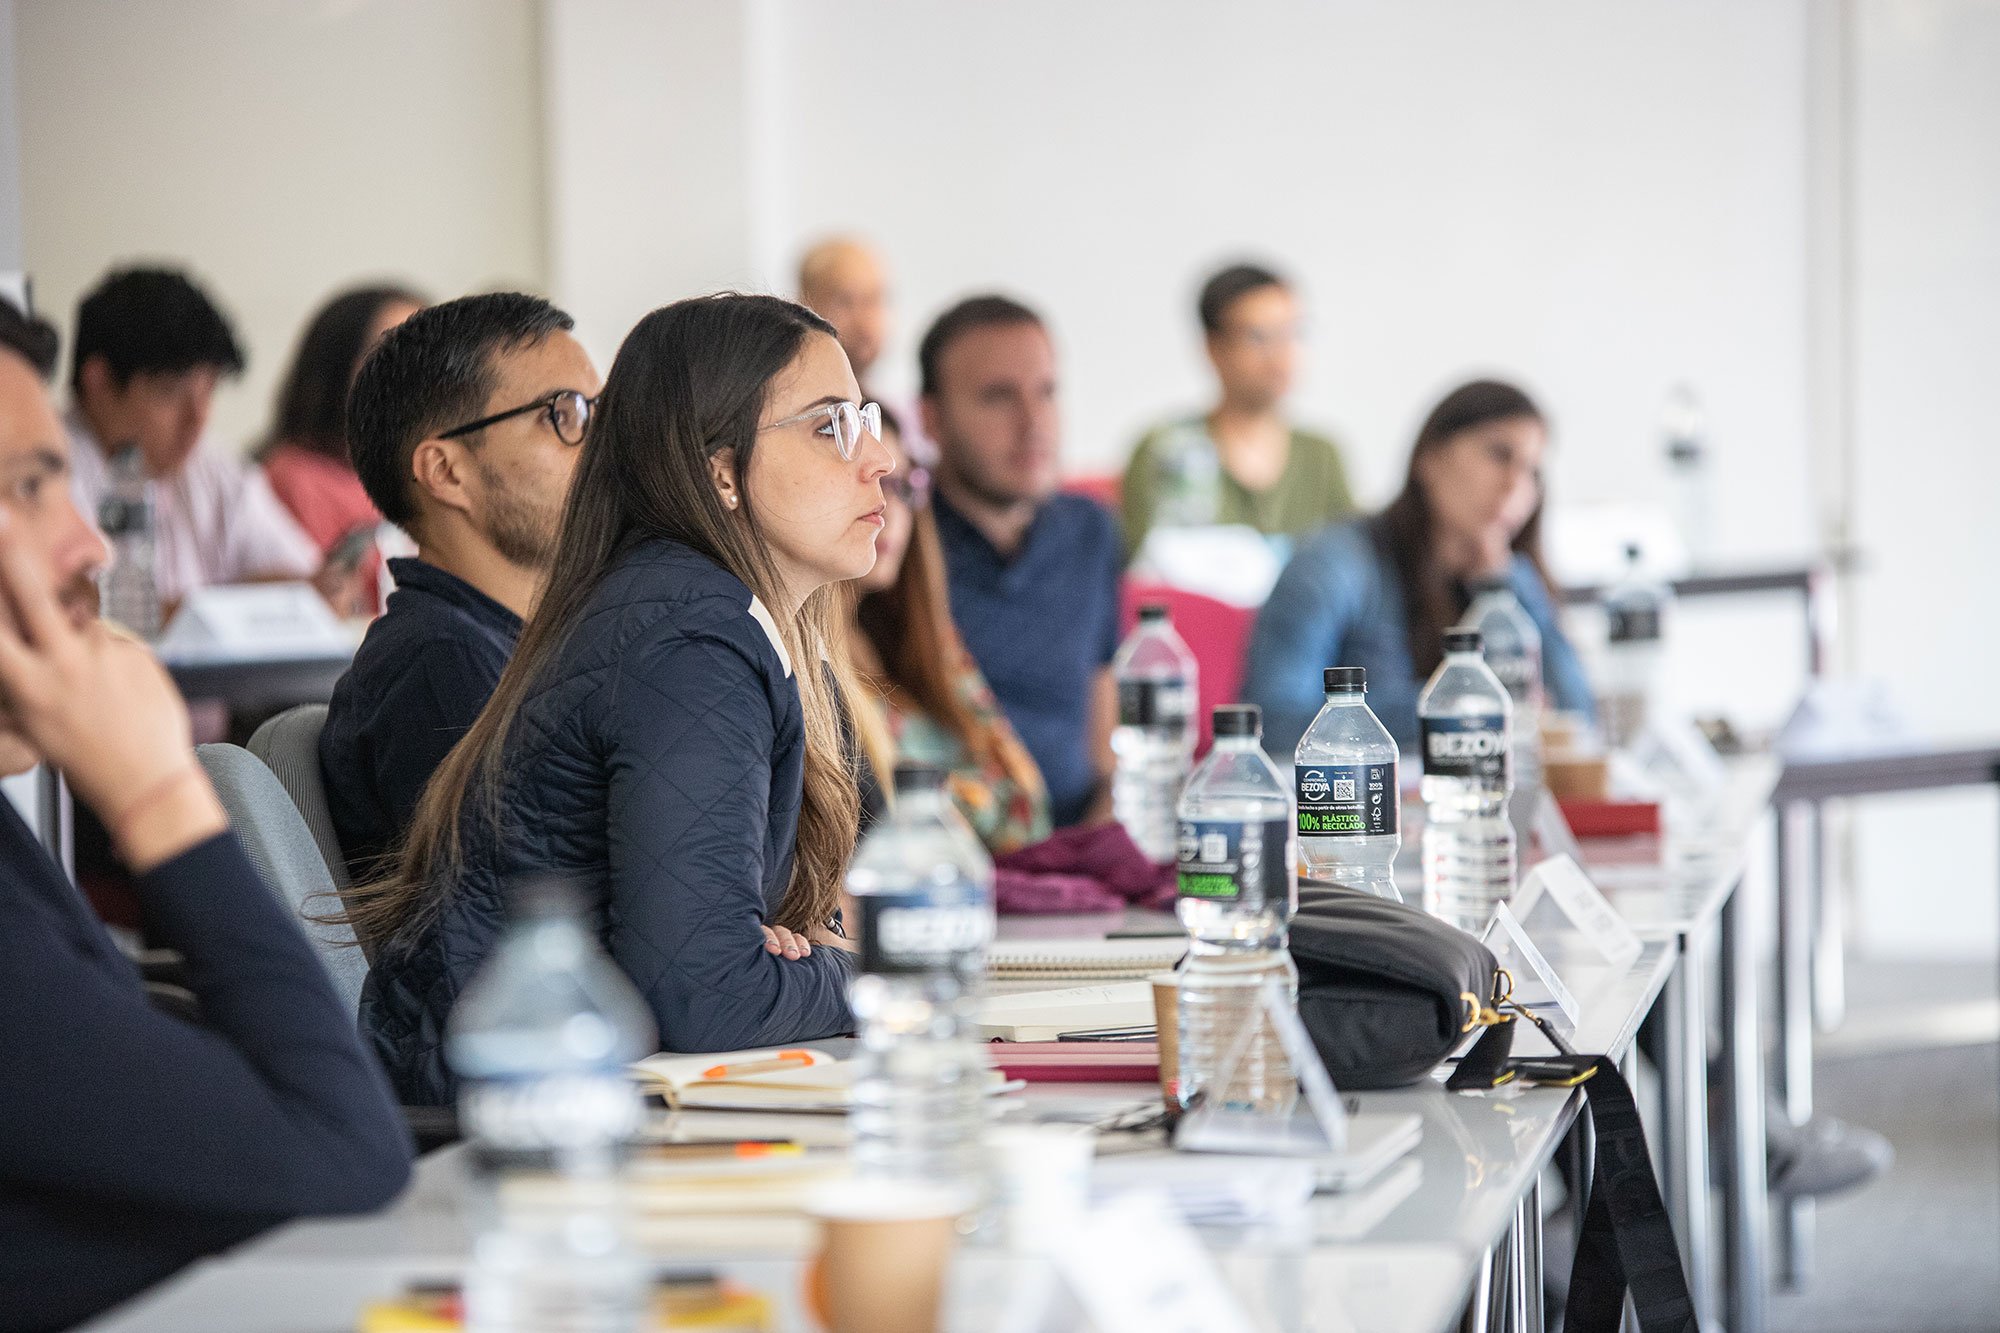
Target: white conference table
(1455, 1226)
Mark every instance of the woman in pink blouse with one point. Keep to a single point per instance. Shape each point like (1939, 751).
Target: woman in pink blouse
(305, 455)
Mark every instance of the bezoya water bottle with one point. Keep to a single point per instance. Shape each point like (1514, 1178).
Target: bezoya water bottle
(1511, 643)
(1154, 742)
(131, 590)
(1635, 612)
(541, 1042)
(1239, 890)
(923, 889)
(1345, 776)
(1464, 717)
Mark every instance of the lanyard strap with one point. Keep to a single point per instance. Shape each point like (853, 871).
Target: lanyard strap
(1627, 1240)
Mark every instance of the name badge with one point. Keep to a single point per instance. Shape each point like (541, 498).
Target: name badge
(254, 620)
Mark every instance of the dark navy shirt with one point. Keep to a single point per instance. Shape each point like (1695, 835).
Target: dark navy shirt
(426, 668)
(132, 1141)
(1041, 625)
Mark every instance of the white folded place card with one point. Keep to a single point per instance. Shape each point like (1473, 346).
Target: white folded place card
(1137, 1268)
(1217, 1126)
(254, 620)
(1551, 830)
(1558, 899)
(1535, 982)
(1679, 758)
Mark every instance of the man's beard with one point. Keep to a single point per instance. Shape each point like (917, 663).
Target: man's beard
(984, 489)
(520, 529)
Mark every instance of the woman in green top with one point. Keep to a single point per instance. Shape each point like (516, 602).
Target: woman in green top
(1242, 463)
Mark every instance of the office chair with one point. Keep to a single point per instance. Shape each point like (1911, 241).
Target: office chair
(285, 852)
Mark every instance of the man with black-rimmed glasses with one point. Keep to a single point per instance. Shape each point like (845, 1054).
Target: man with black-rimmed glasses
(465, 423)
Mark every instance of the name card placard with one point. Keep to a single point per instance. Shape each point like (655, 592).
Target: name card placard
(1557, 897)
(254, 620)
(1536, 985)
(1137, 1268)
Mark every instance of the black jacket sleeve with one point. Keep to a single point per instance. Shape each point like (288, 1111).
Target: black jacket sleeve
(273, 1109)
(693, 732)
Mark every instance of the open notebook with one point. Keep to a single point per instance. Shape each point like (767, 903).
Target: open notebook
(1076, 961)
(788, 1079)
(1045, 1015)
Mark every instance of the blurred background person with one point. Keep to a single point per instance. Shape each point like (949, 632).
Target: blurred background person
(151, 347)
(1243, 462)
(305, 453)
(935, 707)
(1033, 573)
(1379, 592)
(843, 280)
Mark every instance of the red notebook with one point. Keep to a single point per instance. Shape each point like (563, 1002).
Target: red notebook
(1610, 819)
(1077, 1061)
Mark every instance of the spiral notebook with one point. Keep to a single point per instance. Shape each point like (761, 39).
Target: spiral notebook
(1055, 962)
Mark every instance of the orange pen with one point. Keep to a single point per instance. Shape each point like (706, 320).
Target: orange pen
(782, 1060)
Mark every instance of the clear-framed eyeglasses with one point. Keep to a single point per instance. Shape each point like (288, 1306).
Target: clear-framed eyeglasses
(844, 424)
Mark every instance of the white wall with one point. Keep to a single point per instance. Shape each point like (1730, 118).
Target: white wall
(281, 150)
(10, 147)
(658, 140)
(1926, 263)
(1598, 199)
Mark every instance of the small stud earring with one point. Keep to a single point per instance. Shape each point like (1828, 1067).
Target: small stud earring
(729, 500)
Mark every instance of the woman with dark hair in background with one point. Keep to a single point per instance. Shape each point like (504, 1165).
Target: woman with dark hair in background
(667, 736)
(305, 454)
(1380, 592)
(934, 706)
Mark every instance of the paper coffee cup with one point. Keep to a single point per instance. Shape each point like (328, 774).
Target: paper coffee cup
(885, 1247)
(1167, 1017)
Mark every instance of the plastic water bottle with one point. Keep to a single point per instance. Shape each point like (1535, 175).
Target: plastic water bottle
(541, 1041)
(1635, 610)
(1345, 775)
(1239, 889)
(923, 888)
(131, 593)
(1154, 741)
(1463, 716)
(1189, 476)
(1513, 650)
(1684, 431)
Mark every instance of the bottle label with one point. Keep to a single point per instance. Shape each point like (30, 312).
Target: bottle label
(1516, 671)
(1146, 703)
(575, 1109)
(1465, 747)
(1633, 624)
(1347, 800)
(1233, 860)
(935, 928)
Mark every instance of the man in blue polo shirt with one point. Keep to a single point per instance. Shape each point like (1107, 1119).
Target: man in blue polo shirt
(1033, 573)
(464, 426)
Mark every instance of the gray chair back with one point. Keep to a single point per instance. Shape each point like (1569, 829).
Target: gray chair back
(289, 746)
(286, 854)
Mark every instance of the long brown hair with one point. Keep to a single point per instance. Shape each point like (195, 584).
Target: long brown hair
(690, 380)
(910, 627)
(1406, 531)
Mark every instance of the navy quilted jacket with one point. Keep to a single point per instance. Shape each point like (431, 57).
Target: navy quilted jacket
(659, 764)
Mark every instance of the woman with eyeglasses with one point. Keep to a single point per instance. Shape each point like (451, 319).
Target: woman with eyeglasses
(1380, 592)
(667, 736)
(932, 704)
